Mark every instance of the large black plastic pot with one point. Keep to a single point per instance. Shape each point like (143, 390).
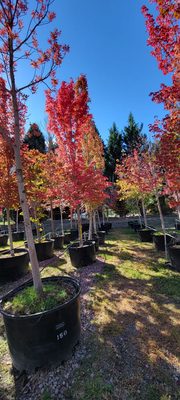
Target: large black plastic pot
(47, 337)
(17, 236)
(74, 234)
(3, 240)
(67, 237)
(159, 241)
(58, 242)
(174, 255)
(131, 223)
(13, 267)
(101, 235)
(82, 256)
(137, 226)
(44, 249)
(146, 235)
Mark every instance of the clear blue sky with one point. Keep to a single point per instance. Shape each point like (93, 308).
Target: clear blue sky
(107, 40)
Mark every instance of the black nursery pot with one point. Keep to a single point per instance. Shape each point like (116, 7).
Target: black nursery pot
(146, 235)
(159, 241)
(44, 249)
(106, 226)
(3, 240)
(58, 242)
(67, 237)
(131, 223)
(174, 255)
(85, 227)
(95, 238)
(74, 234)
(177, 225)
(47, 337)
(82, 256)
(101, 235)
(14, 267)
(17, 236)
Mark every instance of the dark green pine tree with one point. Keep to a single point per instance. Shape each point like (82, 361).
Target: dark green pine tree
(113, 152)
(133, 138)
(35, 139)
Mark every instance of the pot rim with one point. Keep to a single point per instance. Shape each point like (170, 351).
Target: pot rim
(40, 314)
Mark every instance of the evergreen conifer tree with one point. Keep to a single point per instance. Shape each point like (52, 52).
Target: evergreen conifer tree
(133, 138)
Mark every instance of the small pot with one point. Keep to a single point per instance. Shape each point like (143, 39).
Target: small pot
(159, 241)
(17, 236)
(146, 235)
(3, 240)
(14, 267)
(174, 255)
(95, 238)
(44, 338)
(177, 225)
(58, 242)
(101, 235)
(82, 256)
(85, 227)
(67, 237)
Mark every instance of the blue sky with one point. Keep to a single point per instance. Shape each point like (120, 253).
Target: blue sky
(107, 40)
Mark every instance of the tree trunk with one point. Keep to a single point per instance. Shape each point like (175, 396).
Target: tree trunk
(17, 220)
(162, 223)
(178, 212)
(20, 180)
(99, 222)
(52, 220)
(103, 216)
(144, 213)
(10, 232)
(61, 216)
(90, 226)
(139, 213)
(37, 226)
(80, 227)
(94, 223)
(71, 219)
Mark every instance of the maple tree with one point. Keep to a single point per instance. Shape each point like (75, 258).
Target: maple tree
(8, 186)
(19, 47)
(164, 37)
(79, 145)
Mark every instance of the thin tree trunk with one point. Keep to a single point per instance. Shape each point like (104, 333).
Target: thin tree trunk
(90, 226)
(144, 213)
(17, 220)
(20, 180)
(178, 212)
(107, 216)
(62, 225)
(94, 223)
(103, 216)
(10, 232)
(71, 222)
(99, 222)
(139, 214)
(52, 220)
(80, 227)
(37, 226)
(162, 223)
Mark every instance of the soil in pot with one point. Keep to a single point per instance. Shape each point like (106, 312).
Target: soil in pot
(58, 242)
(146, 235)
(82, 256)
(3, 240)
(174, 255)
(13, 267)
(48, 336)
(17, 236)
(101, 235)
(158, 239)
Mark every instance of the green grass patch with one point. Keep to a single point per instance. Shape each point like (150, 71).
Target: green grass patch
(28, 302)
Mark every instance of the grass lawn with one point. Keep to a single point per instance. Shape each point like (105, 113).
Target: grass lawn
(130, 349)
